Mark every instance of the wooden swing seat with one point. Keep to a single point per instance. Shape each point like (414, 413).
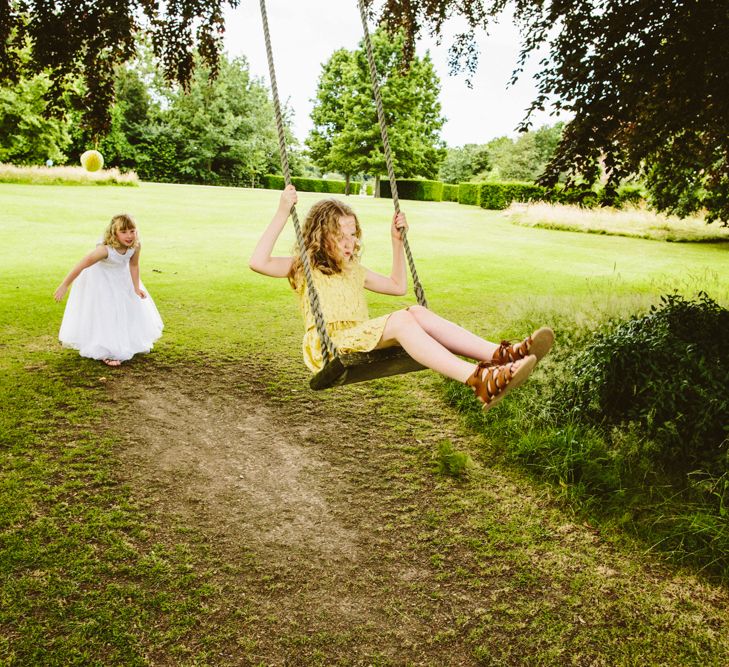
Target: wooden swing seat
(363, 366)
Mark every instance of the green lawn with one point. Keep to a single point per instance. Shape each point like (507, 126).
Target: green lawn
(476, 268)
(495, 571)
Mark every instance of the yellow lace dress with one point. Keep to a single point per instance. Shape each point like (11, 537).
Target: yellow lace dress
(342, 299)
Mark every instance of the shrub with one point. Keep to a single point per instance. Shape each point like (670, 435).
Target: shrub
(587, 197)
(338, 187)
(625, 194)
(630, 194)
(413, 188)
(304, 184)
(469, 193)
(667, 372)
(580, 194)
(633, 428)
(156, 156)
(450, 192)
(498, 196)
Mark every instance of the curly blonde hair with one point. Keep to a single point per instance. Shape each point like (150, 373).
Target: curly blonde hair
(119, 223)
(321, 231)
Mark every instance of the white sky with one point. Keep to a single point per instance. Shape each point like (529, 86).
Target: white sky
(305, 34)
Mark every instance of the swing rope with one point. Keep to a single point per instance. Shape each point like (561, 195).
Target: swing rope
(417, 287)
(329, 351)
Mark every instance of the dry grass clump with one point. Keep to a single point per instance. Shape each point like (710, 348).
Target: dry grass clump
(637, 222)
(65, 175)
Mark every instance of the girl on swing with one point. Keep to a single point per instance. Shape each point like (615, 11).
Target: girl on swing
(332, 236)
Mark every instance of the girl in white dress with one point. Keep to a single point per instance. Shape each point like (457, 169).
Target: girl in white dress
(109, 314)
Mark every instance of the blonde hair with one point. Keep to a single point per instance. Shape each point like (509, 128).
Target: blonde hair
(119, 223)
(321, 231)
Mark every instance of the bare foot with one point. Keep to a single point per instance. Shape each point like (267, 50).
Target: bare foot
(112, 362)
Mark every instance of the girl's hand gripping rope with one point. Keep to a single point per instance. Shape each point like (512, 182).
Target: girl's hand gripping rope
(399, 225)
(289, 198)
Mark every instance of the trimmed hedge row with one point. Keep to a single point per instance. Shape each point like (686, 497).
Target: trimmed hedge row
(413, 188)
(583, 196)
(276, 182)
(489, 195)
(498, 196)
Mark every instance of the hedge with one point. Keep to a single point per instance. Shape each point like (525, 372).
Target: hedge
(469, 193)
(490, 195)
(276, 182)
(413, 188)
(450, 192)
(498, 196)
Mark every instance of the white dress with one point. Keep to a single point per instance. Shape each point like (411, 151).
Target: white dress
(104, 317)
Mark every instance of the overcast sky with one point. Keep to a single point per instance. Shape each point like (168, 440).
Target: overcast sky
(305, 34)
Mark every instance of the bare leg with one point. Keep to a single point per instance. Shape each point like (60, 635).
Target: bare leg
(456, 339)
(403, 327)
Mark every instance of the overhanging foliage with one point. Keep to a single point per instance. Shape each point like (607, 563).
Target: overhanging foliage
(646, 81)
(89, 38)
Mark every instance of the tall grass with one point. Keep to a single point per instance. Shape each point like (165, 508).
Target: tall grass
(628, 471)
(64, 175)
(637, 222)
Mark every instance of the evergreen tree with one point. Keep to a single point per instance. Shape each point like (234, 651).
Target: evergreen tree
(220, 130)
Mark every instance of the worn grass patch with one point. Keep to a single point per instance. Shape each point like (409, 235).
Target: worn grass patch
(85, 578)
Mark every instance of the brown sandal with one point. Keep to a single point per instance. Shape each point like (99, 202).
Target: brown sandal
(538, 344)
(491, 383)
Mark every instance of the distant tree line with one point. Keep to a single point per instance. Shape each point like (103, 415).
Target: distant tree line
(220, 130)
(503, 158)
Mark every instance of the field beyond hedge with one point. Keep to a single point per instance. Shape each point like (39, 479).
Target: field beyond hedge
(201, 506)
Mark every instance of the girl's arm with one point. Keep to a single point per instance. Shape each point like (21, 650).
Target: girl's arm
(134, 270)
(99, 253)
(397, 283)
(261, 260)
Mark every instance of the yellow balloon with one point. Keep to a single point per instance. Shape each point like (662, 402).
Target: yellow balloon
(92, 160)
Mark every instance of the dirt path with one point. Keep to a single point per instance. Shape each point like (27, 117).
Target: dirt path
(335, 543)
(225, 460)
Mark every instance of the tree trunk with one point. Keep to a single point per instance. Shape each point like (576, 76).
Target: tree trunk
(377, 187)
